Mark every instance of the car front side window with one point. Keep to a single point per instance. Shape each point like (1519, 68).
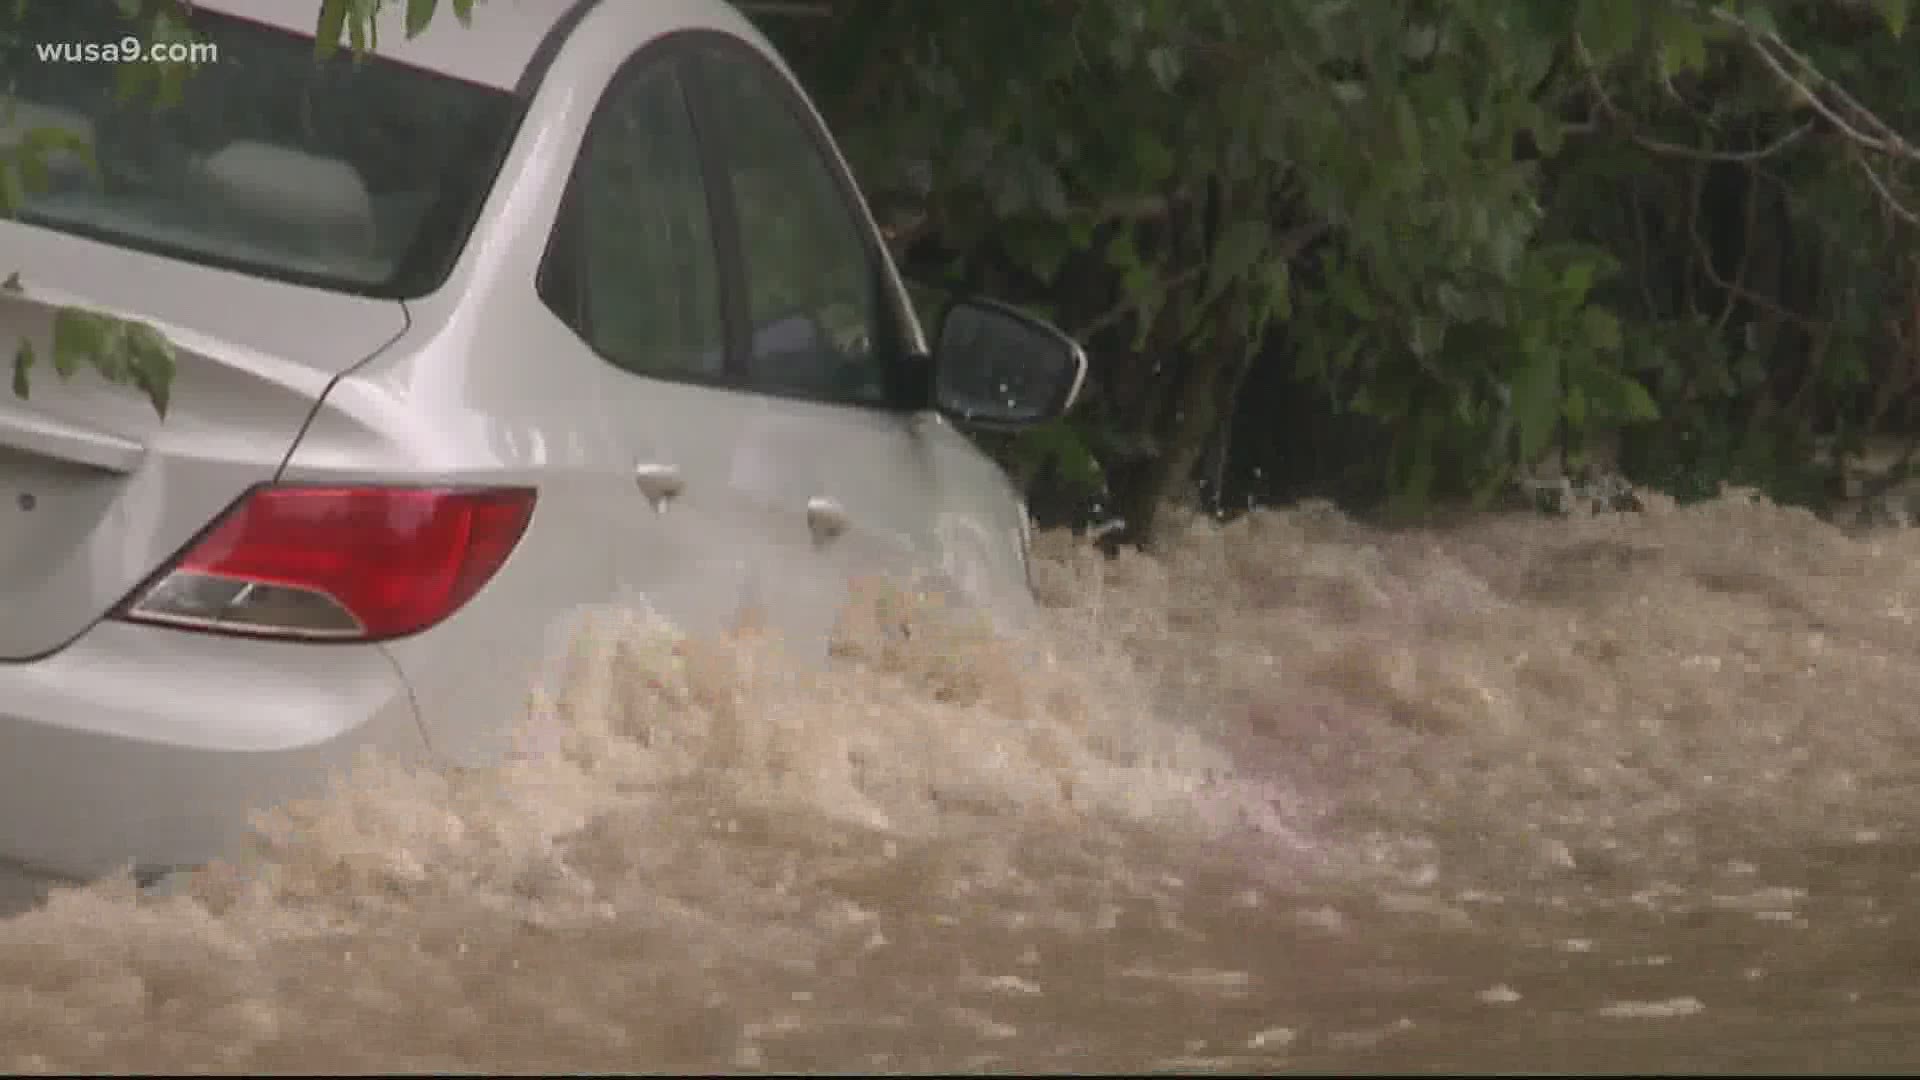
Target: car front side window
(817, 321)
(633, 266)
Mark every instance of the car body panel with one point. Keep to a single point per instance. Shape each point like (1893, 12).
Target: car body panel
(835, 476)
(670, 555)
(109, 756)
(979, 526)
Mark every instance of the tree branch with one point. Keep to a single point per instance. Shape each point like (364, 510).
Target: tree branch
(1887, 199)
(1117, 314)
(1808, 84)
(1858, 124)
(1672, 149)
(1732, 289)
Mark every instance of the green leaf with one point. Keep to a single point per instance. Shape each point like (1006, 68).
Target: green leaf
(419, 14)
(78, 337)
(1636, 405)
(129, 80)
(1577, 279)
(1609, 28)
(1603, 329)
(54, 140)
(1535, 393)
(1241, 244)
(1683, 44)
(1344, 283)
(332, 24)
(1075, 465)
(170, 84)
(1616, 397)
(1153, 159)
(1895, 14)
(12, 193)
(463, 10)
(1165, 65)
(153, 364)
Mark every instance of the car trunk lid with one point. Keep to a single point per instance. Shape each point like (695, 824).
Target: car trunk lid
(97, 490)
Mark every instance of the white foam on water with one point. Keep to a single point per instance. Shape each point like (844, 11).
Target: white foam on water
(1204, 769)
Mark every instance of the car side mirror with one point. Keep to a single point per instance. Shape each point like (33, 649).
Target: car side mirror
(997, 366)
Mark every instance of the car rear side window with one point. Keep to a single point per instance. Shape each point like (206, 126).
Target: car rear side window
(813, 286)
(358, 174)
(633, 267)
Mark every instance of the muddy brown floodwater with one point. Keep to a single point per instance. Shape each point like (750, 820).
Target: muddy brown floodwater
(1632, 793)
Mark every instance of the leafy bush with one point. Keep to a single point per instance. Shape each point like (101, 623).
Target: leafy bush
(1474, 231)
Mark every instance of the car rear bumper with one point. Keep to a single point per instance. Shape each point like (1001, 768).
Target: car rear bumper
(155, 746)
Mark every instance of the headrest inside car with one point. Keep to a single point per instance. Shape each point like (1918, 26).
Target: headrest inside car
(278, 187)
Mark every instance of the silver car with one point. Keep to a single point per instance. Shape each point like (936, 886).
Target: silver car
(574, 303)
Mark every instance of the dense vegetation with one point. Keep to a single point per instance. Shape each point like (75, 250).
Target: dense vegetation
(1390, 250)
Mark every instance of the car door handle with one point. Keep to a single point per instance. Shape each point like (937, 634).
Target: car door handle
(659, 483)
(826, 518)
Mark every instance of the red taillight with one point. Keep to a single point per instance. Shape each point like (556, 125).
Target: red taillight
(341, 563)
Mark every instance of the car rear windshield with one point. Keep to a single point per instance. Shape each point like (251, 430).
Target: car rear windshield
(360, 176)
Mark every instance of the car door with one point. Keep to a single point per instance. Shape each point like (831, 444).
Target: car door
(832, 448)
(634, 268)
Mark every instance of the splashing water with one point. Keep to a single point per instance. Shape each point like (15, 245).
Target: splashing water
(1297, 792)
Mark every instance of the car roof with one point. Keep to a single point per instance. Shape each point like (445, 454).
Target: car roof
(495, 50)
